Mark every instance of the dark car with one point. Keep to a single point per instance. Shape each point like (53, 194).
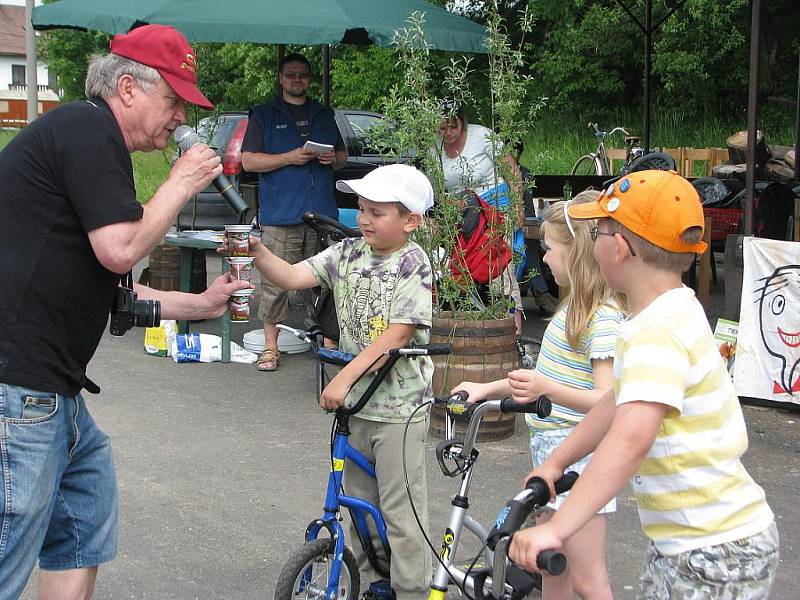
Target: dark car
(225, 133)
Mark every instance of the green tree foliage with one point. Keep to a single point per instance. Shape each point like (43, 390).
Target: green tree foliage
(362, 76)
(236, 76)
(67, 53)
(585, 55)
(589, 54)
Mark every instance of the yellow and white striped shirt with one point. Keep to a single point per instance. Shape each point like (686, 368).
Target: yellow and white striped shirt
(692, 489)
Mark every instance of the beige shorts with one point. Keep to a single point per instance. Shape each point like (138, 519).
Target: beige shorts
(292, 243)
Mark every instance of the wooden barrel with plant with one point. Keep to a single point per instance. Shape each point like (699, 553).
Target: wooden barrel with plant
(482, 351)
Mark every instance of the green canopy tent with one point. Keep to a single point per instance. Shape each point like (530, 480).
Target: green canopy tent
(303, 22)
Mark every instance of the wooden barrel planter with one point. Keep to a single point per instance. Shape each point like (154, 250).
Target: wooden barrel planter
(482, 351)
(164, 270)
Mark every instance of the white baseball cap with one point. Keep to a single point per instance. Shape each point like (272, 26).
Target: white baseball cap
(393, 183)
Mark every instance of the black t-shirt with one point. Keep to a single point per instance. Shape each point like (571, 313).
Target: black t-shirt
(254, 136)
(67, 173)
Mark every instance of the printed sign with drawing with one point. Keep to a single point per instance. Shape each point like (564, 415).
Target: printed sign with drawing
(768, 349)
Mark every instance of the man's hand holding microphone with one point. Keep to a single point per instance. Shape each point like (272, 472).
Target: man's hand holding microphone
(201, 164)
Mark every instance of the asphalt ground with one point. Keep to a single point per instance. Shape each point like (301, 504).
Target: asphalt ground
(221, 467)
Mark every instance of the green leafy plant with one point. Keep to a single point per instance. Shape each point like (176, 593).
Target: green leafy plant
(414, 113)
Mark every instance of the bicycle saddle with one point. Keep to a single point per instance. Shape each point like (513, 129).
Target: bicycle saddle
(632, 139)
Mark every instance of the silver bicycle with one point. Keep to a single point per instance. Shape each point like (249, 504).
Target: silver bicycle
(598, 162)
(457, 457)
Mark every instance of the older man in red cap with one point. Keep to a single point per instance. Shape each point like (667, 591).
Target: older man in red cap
(72, 227)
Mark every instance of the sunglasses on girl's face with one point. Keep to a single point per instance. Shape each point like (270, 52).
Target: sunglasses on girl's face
(594, 232)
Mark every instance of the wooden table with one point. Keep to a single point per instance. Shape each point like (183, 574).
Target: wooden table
(188, 245)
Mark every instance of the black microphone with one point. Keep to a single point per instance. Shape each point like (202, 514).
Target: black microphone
(186, 137)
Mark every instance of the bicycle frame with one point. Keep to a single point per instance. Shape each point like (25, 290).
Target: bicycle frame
(446, 571)
(361, 511)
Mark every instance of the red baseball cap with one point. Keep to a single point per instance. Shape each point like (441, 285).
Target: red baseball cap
(166, 50)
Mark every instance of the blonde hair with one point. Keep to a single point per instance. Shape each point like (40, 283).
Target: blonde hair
(676, 262)
(588, 290)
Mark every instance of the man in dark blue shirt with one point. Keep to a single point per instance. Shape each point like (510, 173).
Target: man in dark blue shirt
(292, 181)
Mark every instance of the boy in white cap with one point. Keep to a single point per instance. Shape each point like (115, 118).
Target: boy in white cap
(381, 285)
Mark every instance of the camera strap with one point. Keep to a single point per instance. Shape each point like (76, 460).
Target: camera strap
(89, 385)
(127, 280)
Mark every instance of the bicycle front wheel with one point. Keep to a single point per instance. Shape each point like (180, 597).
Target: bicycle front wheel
(588, 164)
(306, 573)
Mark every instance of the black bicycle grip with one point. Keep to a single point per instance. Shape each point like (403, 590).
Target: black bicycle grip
(551, 561)
(565, 482)
(315, 218)
(437, 349)
(540, 492)
(541, 406)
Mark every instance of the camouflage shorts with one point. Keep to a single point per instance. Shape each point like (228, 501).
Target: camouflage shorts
(740, 570)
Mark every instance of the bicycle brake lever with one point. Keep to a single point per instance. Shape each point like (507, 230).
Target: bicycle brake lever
(444, 451)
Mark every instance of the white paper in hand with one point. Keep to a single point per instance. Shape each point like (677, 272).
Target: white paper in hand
(317, 148)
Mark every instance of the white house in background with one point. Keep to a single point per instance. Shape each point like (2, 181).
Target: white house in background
(13, 76)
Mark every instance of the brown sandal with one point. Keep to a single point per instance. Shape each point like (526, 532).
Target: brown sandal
(269, 360)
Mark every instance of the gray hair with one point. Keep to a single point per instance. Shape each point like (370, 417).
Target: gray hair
(105, 71)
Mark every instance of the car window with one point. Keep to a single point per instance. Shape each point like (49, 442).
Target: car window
(361, 125)
(216, 131)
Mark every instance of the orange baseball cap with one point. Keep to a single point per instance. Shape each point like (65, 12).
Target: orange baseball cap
(656, 205)
(166, 50)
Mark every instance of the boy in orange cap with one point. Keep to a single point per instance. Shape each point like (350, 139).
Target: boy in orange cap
(672, 424)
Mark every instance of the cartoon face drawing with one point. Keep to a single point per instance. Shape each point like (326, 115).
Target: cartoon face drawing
(779, 321)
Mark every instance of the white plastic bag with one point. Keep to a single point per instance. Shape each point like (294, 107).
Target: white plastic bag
(203, 347)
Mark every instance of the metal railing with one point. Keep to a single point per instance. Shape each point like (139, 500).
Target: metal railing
(21, 87)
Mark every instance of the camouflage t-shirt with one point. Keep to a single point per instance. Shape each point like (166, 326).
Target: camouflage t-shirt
(371, 291)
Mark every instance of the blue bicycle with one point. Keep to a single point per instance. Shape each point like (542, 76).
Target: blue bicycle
(323, 567)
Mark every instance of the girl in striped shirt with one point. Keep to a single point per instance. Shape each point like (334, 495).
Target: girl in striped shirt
(574, 370)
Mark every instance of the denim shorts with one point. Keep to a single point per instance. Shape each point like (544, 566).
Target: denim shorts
(543, 442)
(58, 493)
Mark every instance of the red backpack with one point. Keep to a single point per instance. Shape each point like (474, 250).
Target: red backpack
(476, 255)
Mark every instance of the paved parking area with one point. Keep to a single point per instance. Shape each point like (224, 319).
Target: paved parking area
(221, 467)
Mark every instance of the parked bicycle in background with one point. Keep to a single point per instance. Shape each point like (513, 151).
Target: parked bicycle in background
(635, 159)
(598, 162)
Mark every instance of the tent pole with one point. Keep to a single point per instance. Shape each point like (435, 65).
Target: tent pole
(797, 126)
(752, 116)
(648, 49)
(281, 54)
(31, 80)
(326, 74)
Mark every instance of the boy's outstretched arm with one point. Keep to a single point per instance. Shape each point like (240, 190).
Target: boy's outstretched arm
(286, 276)
(397, 335)
(618, 456)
